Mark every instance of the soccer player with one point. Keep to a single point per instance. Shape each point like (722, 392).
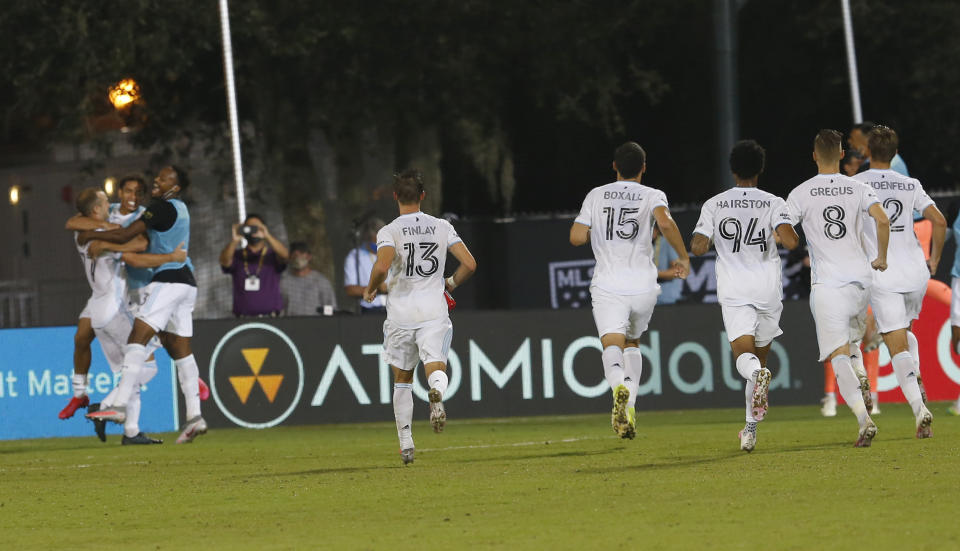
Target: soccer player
(617, 219)
(742, 222)
(897, 293)
(832, 210)
(106, 311)
(170, 299)
(411, 255)
(954, 409)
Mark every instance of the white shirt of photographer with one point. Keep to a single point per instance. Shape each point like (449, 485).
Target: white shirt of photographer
(415, 279)
(365, 259)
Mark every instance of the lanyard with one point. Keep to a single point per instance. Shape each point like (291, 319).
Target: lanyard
(263, 254)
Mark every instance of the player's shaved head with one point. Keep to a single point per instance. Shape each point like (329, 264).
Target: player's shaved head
(87, 200)
(883, 143)
(629, 159)
(408, 186)
(827, 145)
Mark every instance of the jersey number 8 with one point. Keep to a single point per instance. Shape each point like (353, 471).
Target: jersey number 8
(834, 228)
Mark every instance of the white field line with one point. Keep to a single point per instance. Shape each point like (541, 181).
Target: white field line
(513, 444)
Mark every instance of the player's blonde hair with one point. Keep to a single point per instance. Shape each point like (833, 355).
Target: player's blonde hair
(883, 143)
(87, 199)
(827, 145)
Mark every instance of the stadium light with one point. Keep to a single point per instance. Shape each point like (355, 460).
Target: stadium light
(851, 62)
(124, 93)
(109, 185)
(232, 109)
(14, 195)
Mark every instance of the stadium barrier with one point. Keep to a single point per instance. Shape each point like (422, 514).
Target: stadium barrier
(268, 372)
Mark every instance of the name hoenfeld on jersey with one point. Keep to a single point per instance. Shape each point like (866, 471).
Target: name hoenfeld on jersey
(894, 186)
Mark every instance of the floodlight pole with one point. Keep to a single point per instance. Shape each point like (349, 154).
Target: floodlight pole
(232, 109)
(851, 62)
(725, 15)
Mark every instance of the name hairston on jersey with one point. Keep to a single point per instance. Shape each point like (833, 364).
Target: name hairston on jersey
(419, 230)
(896, 186)
(830, 191)
(623, 195)
(744, 204)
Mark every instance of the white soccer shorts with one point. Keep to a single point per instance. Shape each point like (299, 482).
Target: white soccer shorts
(169, 307)
(135, 298)
(764, 325)
(101, 310)
(955, 302)
(896, 310)
(113, 338)
(840, 314)
(404, 348)
(622, 314)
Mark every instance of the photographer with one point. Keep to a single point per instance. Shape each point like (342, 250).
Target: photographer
(255, 268)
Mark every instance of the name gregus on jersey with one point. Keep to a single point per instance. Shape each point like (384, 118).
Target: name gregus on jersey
(419, 230)
(830, 191)
(743, 204)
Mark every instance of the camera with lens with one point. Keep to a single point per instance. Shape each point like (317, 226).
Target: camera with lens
(247, 231)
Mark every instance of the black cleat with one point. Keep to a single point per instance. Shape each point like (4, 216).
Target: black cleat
(99, 427)
(139, 439)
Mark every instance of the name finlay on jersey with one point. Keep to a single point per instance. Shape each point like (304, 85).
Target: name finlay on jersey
(419, 230)
(744, 204)
(830, 191)
(622, 195)
(896, 186)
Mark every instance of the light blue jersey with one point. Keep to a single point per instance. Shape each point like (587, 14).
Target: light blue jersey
(136, 277)
(164, 242)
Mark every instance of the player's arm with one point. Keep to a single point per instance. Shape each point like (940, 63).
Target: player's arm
(668, 227)
(883, 236)
(148, 260)
(699, 245)
(79, 222)
(933, 214)
(119, 235)
(579, 234)
(378, 274)
(468, 265)
(135, 245)
(788, 236)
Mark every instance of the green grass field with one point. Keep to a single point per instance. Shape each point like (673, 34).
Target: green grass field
(529, 483)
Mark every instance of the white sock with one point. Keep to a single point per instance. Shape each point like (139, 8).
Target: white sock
(403, 412)
(856, 360)
(905, 370)
(849, 387)
(131, 425)
(438, 380)
(189, 376)
(748, 365)
(632, 370)
(107, 401)
(832, 394)
(613, 365)
(79, 385)
(133, 358)
(914, 345)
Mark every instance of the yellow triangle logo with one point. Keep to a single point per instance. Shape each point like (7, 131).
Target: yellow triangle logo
(242, 386)
(255, 358)
(270, 385)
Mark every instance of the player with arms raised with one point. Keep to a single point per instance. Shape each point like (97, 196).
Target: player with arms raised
(411, 256)
(897, 293)
(832, 210)
(617, 219)
(742, 222)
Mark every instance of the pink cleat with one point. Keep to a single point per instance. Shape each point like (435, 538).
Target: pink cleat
(113, 414)
(204, 390)
(73, 406)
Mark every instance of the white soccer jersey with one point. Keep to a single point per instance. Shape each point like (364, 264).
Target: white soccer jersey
(107, 280)
(832, 210)
(900, 196)
(742, 221)
(117, 217)
(620, 218)
(415, 280)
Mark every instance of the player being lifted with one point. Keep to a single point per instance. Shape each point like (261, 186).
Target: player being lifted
(832, 210)
(742, 222)
(411, 256)
(617, 219)
(897, 293)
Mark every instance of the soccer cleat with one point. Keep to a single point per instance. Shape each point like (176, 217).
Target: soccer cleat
(954, 409)
(618, 418)
(867, 432)
(73, 405)
(829, 406)
(139, 439)
(204, 390)
(99, 425)
(876, 409)
(865, 391)
(748, 439)
(630, 428)
(193, 428)
(438, 416)
(923, 391)
(761, 391)
(924, 430)
(407, 455)
(113, 414)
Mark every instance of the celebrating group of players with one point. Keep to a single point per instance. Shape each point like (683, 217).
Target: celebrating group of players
(863, 252)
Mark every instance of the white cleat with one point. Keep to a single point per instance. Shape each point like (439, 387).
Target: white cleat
(438, 416)
(748, 439)
(876, 409)
(867, 432)
(407, 449)
(924, 420)
(406, 456)
(828, 406)
(194, 427)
